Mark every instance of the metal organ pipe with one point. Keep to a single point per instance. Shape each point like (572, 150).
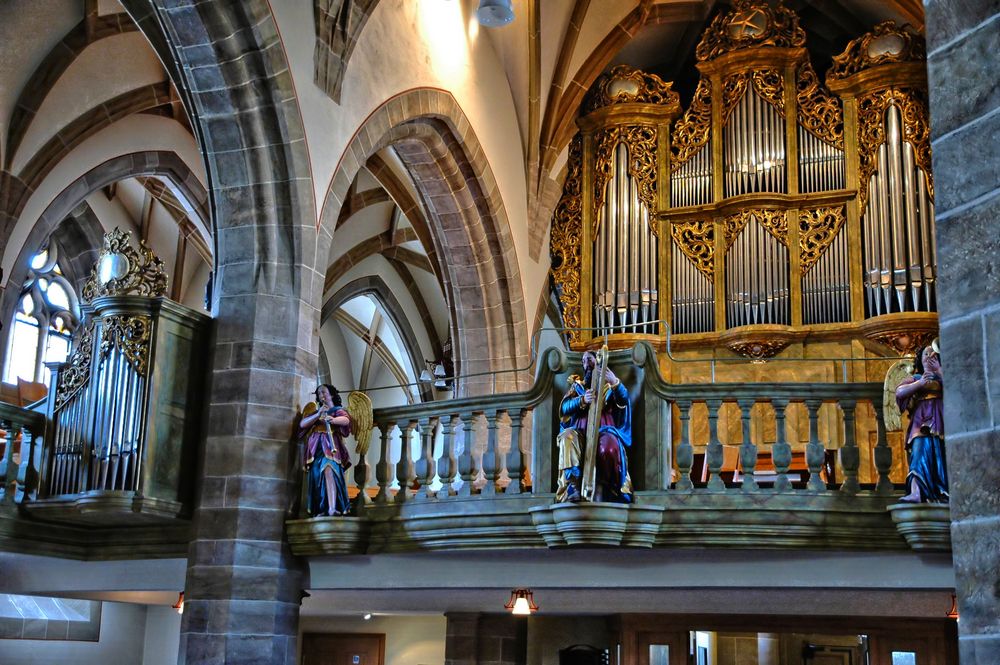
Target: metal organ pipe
(898, 225)
(625, 272)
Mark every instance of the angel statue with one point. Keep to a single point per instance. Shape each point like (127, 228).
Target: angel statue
(920, 395)
(324, 425)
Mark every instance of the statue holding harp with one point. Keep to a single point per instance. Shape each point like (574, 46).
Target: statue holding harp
(595, 433)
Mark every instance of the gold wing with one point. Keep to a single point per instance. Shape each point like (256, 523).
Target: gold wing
(359, 407)
(899, 372)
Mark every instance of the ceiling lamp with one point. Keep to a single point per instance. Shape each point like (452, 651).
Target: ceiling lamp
(521, 602)
(495, 13)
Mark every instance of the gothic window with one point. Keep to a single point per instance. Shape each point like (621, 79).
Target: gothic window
(46, 315)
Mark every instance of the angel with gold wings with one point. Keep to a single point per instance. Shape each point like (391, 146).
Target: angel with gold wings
(324, 426)
(915, 387)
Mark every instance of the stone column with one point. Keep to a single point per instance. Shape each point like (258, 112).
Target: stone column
(243, 586)
(963, 40)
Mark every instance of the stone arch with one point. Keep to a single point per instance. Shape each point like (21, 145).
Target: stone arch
(469, 229)
(376, 287)
(338, 25)
(161, 164)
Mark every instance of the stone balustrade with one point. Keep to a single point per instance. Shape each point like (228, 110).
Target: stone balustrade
(477, 472)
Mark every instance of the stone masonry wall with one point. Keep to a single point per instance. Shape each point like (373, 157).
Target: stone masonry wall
(963, 46)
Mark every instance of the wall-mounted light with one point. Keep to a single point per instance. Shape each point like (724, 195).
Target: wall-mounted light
(521, 602)
(953, 612)
(179, 605)
(368, 616)
(495, 13)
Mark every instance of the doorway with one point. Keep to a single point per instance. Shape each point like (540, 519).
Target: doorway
(343, 649)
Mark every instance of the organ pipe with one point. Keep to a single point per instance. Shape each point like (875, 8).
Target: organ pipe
(754, 147)
(756, 279)
(898, 229)
(626, 257)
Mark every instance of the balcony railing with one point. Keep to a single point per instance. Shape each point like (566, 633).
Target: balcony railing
(478, 472)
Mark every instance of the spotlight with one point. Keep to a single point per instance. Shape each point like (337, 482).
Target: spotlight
(368, 616)
(495, 13)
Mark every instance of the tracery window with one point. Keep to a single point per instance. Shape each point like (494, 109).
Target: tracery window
(47, 314)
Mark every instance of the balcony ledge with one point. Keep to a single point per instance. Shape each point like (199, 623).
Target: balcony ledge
(698, 519)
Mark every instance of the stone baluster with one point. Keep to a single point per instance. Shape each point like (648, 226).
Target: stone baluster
(9, 468)
(883, 454)
(426, 466)
(850, 457)
(362, 473)
(781, 452)
(714, 454)
(383, 470)
(815, 453)
(515, 458)
(404, 467)
(685, 452)
(447, 464)
(490, 472)
(748, 451)
(27, 475)
(466, 463)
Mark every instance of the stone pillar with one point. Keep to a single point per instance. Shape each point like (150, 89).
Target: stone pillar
(963, 40)
(486, 639)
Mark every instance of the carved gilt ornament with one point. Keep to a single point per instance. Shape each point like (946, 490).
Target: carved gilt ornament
(887, 43)
(122, 270)
(627, 85)
(750, 23)
(566, 239)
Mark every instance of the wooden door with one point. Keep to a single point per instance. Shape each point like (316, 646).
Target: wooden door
(893, 650)
(343, 649)
(662, 648)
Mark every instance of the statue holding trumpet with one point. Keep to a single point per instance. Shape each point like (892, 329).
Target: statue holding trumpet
(595, 433)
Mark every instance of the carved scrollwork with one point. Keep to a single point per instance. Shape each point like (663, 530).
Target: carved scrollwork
(758, 349)
(774, 221)
(768, 83)
(129, 334)
(625, 84)
(121, 270)
(820, 113)
(641, 143)
(693, 129)
(696, 239)
(750, 23)
(76, 373)
(817, 229)
(888, 42)
(912, 104)
(566, 239)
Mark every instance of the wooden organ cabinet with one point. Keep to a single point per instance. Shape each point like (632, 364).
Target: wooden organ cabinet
(777, 216)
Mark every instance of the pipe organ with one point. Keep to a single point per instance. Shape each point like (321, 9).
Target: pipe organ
(776, 204)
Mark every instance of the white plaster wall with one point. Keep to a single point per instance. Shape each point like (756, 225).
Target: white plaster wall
(47, 21)
(105, 69)
(162, 636)
(408, 44)
(409, 640)
(123, 628)
(133, 134)
(601, 18)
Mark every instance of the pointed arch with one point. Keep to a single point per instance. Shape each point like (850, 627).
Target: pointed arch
(470, 233)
